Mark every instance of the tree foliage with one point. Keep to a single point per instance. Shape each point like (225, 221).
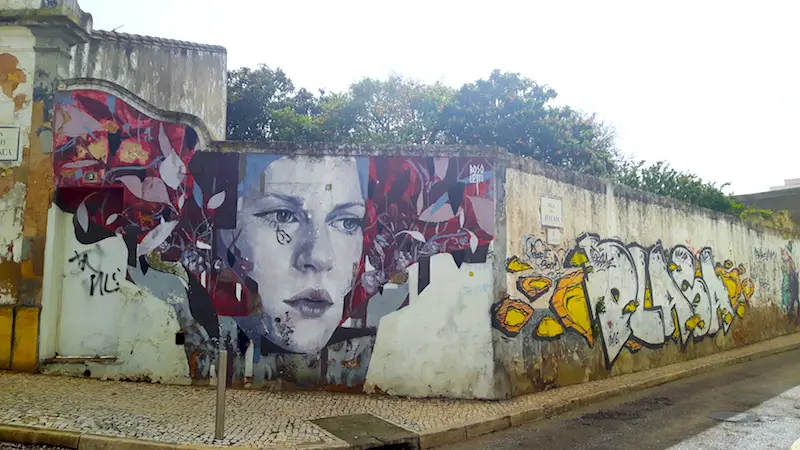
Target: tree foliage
(506, 110)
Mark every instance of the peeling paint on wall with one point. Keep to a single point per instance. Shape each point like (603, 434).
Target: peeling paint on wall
(12, 207)
(17, 62)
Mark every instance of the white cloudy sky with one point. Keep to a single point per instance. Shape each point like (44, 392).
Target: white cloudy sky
(710, 86)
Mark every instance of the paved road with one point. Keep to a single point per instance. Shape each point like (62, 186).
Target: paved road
(766, 393)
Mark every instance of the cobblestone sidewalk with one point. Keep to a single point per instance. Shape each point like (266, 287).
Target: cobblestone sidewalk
(185, 415)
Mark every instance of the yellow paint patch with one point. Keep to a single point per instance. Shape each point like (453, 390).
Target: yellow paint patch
(578, 259)
(130, 152)
(515, 317)
(633, 346)
(740, 310)
(6, 324)
(631, 306)
(99, 149)
(511, 315)
(549, 328)
(515, 265)
(694, 322)
(534, 287)
(677, 333)
(26, 336)
(570, 303)
(748, 288)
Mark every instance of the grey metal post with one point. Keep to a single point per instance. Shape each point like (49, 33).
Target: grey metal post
(222, 375)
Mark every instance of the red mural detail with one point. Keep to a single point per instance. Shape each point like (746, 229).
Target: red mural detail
(418, 207)
(101, 141)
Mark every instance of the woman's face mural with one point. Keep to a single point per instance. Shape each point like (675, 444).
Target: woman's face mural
(299, 227)
(255, 247)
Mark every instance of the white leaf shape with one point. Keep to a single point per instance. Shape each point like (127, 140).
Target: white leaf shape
(133, 183)
(112, 218)
(163, 142)
(155, 237)
(473, 241)
(216, 200)
(83, 216)
(414, 234)
(173, 170)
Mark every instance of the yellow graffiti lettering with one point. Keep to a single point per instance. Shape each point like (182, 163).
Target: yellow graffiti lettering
(515, 265)
(570, 303)
(549, 328)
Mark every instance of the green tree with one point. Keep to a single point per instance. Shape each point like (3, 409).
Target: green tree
(395, 111)
(263, 105)
(661, 179)
(505, 110)
(513, 112)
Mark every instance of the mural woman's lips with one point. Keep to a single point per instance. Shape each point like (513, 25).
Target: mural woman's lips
(311, 303)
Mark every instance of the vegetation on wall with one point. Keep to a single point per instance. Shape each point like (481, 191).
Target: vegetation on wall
(506, 109)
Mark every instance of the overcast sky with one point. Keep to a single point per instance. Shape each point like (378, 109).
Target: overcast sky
(709, 86)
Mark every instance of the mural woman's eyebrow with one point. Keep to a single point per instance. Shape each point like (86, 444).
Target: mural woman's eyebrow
(343, 207)
(291, 199)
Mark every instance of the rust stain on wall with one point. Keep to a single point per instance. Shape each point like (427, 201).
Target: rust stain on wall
(39, 180)
(20, 101)
(11, 76)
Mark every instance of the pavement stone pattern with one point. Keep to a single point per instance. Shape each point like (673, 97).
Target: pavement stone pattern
(254, 418)
(11, 446)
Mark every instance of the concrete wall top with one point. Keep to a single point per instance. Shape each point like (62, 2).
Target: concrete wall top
(331, 149)
(169, 74)
(602, 186)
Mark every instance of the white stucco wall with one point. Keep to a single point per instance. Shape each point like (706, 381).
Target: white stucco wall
(129, 323)
(441, 343)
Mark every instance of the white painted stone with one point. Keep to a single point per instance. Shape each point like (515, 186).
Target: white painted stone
(441, 344)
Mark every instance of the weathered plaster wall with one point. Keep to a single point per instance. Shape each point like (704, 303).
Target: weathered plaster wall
(17, 64)
(621, 281)
(171, 75)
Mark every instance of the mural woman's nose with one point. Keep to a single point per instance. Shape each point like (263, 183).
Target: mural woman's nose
(314, 252)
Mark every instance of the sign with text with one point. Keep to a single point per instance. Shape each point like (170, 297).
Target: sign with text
(551, 212)
(9, 142)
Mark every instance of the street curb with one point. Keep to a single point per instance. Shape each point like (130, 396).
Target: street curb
(454, 434)
(19, 434)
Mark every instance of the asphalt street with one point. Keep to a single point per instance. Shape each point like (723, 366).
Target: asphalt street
(754, 405)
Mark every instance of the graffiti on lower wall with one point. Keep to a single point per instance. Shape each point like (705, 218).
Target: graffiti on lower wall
(790, 297)
(624, 296)
(281, 256)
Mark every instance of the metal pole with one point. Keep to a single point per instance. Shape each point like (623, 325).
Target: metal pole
(222, 375)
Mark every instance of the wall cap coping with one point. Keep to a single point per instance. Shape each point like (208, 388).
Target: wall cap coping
(153, 40)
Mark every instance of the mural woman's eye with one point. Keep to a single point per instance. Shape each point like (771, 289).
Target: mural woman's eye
(278, 216)
(347, 225)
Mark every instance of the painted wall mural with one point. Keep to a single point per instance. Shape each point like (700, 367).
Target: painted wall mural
(624, 296)
(284, 256)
